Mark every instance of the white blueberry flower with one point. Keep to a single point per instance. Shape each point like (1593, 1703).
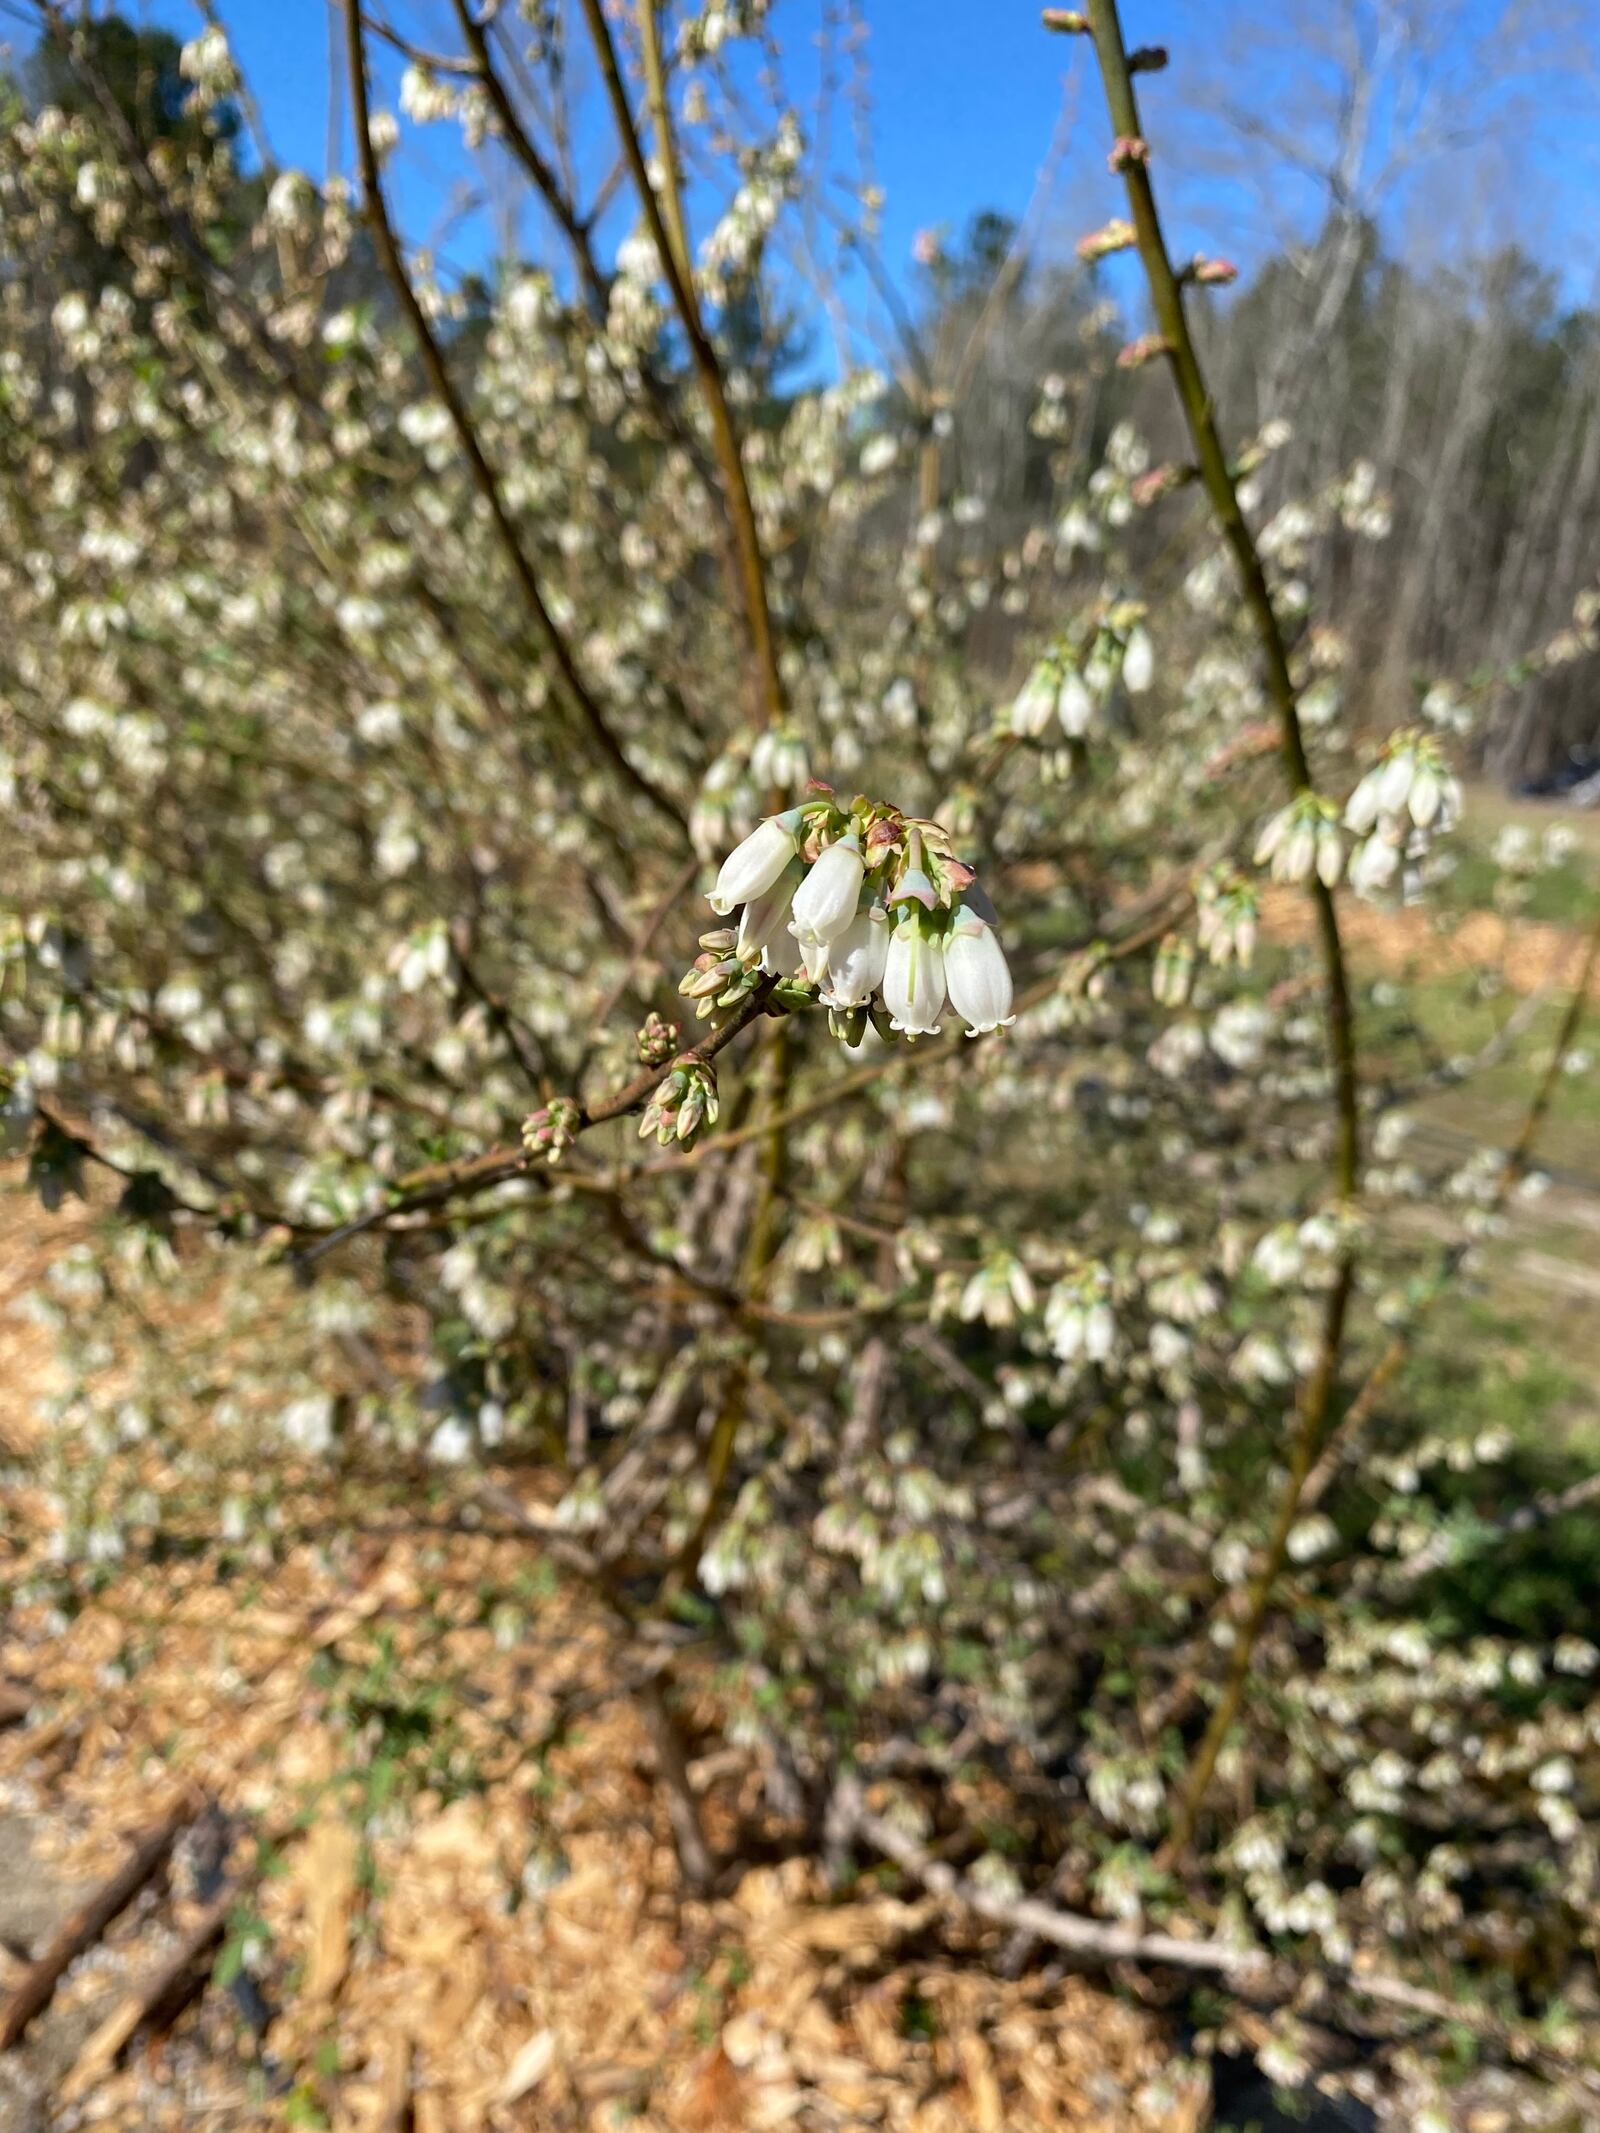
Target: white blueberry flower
(763, 923)
(1330, 854)
(1362, 809)
(1035, 704)
(913, 976)
(779, 759)
(976, 974)
(998, 1291)
(1138, 661)
(752, 867)
(1374, 864)
(825, 902)
(1074, 705)
(1395, 781)
(857, 958)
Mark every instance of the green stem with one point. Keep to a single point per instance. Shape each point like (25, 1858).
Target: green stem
(1166, 294)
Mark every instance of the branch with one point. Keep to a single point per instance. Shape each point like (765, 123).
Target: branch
(708, 371)
(1131, 155)
(36, 1987)
(1092, 1938)
(449, 1181)
(555, 645)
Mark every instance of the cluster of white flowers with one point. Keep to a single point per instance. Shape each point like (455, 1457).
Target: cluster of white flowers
(1408, 797)
(1074, 691)
(1078, 1319)
(1303, 839)
(208, 64)
(870, 910)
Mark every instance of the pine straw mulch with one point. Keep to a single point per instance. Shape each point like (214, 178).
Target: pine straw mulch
(471, 1913)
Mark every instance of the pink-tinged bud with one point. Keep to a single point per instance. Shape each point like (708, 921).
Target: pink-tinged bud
(1118, 235)
(1142, 351)
(1214, 271)
(1069, 21)
(1126, 150)
(913, 887)
(1150, 487)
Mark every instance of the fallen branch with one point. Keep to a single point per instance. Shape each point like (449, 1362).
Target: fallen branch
(1251, 1969)
(160, 1998)
(85, 1925)
(1094, 1938)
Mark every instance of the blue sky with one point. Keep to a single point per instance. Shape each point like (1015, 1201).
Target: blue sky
(967, 95)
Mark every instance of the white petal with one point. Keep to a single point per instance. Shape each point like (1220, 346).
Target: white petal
(752, 867)
(976, 973)
(825, 902)
(1362, 810)
(1427, 791)
(857, 957)
(1075, 706)
(768, 915)
(1394, 782)
(1030, 714)
(1138, 662)
(913, 981)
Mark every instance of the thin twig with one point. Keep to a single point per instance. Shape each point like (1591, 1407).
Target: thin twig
(557, 650)
(707, 368)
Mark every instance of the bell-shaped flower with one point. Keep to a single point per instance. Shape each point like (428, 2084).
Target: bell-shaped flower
(1074, 705)
(977, 975)
(825, 902)
(813, 954)
(913, 976)
(1330, 854)
(1035, 704)
(1364, 805)
(763, 923)
(1138, 661)
(752, 867)
(1395, 782)
(1374, 864)
(856, 959)
(1000, 1289)
(1435, 796)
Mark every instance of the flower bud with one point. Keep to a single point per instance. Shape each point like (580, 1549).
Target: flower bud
(656, 1039)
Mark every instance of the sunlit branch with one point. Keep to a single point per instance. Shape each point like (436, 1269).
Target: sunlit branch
(572, 684)
(1131, 156)
(708, 372)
